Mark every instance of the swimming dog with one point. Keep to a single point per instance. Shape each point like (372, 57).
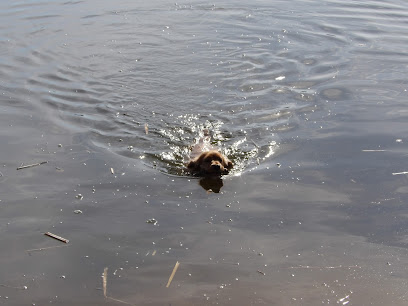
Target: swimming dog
(207, 160)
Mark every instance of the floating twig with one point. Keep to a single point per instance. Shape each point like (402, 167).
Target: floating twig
(154, 253)
(112, 171)
(146, 128)
(105, 285)
(255, 144)
(172, 274)
(19, 288)
(56, 237)
(260, 272)
(398, 173)
(105, 281)
(335, 267)
(32, 165)
(373, 150)
(120, 301)
(47, 248)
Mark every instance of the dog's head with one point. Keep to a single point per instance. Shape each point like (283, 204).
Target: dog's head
(210, 163)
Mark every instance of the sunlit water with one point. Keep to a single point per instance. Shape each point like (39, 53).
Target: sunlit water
(307, 98)
(248, 73)
(252, 73)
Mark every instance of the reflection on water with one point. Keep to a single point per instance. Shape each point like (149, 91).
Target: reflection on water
(212, 184)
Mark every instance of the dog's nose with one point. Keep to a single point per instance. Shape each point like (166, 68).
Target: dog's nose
(216, 167)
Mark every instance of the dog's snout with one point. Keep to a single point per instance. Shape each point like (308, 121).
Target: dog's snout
(216, 166)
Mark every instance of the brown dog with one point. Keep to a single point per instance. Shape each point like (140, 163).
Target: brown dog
(208, 161)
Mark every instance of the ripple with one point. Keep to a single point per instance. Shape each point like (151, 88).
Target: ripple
(249, 73)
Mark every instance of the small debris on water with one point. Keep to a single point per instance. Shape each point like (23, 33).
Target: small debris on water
(77, 211)
(152, 221)
(79, 196)
(260, 272)
(59, 145)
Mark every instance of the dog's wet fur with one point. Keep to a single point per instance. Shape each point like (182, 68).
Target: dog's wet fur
(207, 160)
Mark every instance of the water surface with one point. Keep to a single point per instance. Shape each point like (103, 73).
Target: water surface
(308, 99)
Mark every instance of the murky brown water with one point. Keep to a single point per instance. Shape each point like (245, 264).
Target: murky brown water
(307, 98)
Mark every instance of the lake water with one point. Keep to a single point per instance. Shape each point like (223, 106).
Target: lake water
(307, 98)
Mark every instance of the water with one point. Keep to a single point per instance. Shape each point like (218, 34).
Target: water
(308, 99)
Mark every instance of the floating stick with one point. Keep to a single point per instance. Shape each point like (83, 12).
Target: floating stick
(335, 267)
(32, 165)
(56, 237)
(105, 281)
(47, 248)
(397, 173)
(105, 285)
(172, 274)
(117, 300)
(112, 171)
(19, 288)
(373, 150)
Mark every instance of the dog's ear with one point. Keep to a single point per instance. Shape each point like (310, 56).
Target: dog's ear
(192, 165)
(195, 164)
(227, 163)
